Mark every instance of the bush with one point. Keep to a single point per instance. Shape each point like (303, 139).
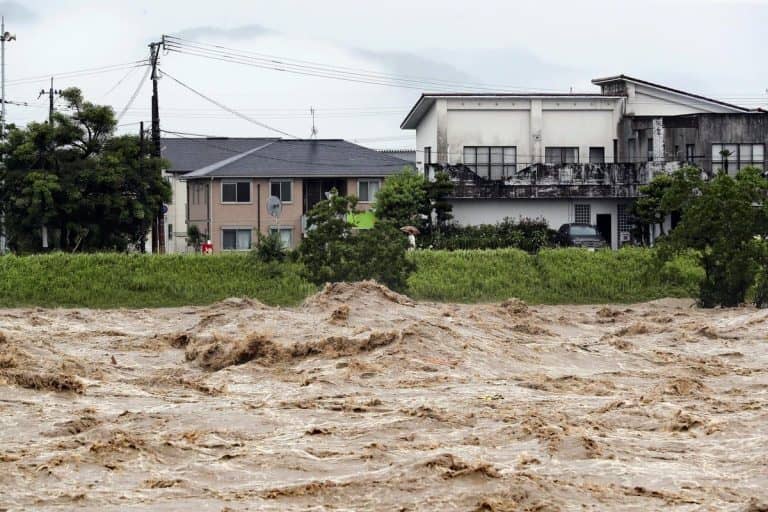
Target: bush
(403, 199)
(334, 251)
(720, 224)
(270, 249)
(529, 235)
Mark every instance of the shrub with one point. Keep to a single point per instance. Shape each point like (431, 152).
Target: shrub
(269, 249)
(334, 251)
(403, 199)
(721, 223)
(529, 235)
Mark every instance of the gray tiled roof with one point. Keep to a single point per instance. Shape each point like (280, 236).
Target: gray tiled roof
(188, 155)
(280, 158)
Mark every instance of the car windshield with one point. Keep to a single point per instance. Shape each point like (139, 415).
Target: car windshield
(583, 231)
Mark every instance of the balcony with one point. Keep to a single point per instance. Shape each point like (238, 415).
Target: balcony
(553, 181)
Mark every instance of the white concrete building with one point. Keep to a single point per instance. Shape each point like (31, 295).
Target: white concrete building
(563, 157)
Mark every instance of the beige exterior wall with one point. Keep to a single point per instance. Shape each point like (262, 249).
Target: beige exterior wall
(252, 215)
(198, 198)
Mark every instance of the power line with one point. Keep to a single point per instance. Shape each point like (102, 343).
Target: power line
(179, 44)
(230, 110)
(111, 89)
(78, 73)
(135, 93)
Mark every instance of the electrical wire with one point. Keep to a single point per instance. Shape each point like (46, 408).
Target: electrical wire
(135, 94)
(175, 43)
(76, 74)
(230, 110)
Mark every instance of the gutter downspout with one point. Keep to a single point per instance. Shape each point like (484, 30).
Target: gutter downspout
(258, 210)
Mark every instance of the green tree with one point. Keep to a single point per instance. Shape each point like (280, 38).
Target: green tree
(403, 199)
(665, 194)
(438, 192)
(89, 189)
(333, 251)
(723, 224)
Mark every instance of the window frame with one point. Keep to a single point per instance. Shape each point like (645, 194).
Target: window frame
(738, 161)
(427, 154)
(576, 212)
(489, 162)
(236, 229)
(367, 180)
(278, 230)
(600, 148)
(562, 149)
(281, 181)
(236, 182)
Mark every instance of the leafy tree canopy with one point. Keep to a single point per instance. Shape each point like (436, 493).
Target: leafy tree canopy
(334, 251)
(90, 189)
(726, 223)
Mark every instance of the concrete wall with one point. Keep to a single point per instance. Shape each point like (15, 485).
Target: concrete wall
(555, 211)
(426, 135)
(529, 124)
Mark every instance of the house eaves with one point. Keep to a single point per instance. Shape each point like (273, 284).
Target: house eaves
(425, 102)
(627, 78)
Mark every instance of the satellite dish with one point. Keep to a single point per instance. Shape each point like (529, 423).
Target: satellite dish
(274, 206)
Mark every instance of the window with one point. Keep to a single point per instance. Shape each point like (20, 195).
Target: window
(615, 150)
(282, 189)
(561, 155)
(236, 192)
(286, 235)
(690, 150)
(367, 190)
(650, 150)
(582, 214)
(734, 157)
(622, 219)
(492, 162)
(170, 232)
(427, 155)
(597, 155)
(236, 239)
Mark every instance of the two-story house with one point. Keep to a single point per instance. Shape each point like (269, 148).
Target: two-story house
(576, 157)
(227, 192)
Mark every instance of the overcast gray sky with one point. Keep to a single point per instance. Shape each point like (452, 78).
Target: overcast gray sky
(712, 47)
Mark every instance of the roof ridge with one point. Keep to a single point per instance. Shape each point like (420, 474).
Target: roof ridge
(221, 163)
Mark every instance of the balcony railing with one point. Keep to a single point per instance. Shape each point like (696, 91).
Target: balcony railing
(567, 180)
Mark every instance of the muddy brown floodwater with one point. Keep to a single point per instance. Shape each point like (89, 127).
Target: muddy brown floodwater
(364, 400)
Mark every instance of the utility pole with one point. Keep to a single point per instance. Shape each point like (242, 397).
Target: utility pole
(141, 173)
(158, 230)
(51, 93)
(4, 36)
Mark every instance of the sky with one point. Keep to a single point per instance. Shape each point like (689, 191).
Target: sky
(710, 47)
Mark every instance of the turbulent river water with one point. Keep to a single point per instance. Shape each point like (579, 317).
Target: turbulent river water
(361, 399)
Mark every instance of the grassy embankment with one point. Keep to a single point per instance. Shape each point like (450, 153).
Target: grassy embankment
(552, 276)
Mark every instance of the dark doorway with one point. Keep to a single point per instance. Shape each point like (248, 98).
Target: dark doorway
(314, 191)
(604, 227)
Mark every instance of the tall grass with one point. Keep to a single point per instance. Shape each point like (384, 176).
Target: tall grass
(121, 280)
(551, 276)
